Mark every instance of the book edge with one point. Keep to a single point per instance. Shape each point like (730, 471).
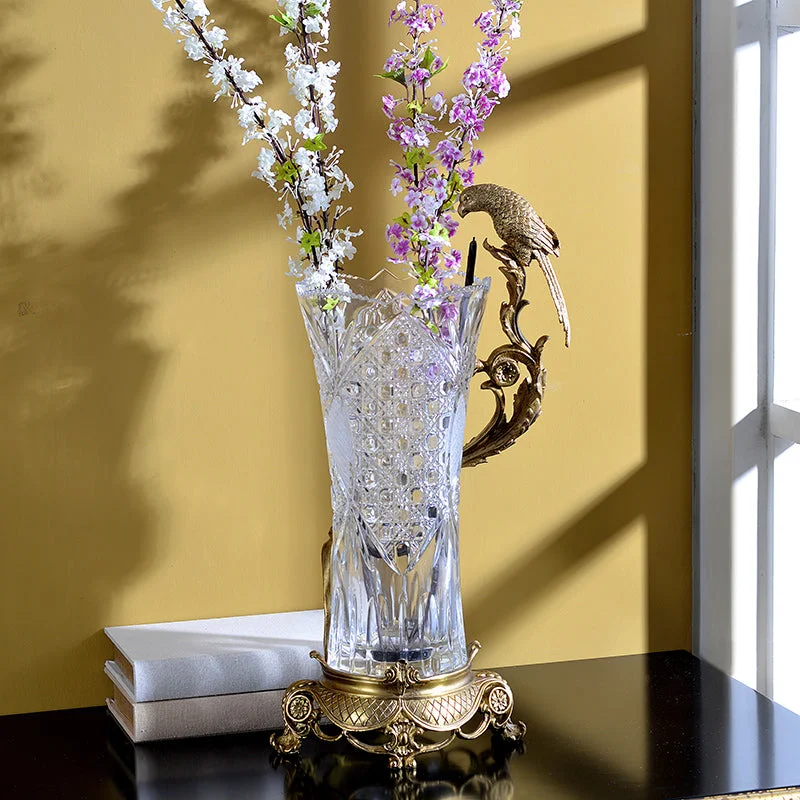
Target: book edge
(120, 680)
(120, 720)
(110, 630)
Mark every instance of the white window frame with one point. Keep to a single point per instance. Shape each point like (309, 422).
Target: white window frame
(723, 444)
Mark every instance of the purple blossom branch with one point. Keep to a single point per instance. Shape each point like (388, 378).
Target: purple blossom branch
(434, 170)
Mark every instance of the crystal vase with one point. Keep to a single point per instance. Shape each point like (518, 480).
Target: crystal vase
(394, 393)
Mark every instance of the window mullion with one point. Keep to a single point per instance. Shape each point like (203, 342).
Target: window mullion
(766, 342)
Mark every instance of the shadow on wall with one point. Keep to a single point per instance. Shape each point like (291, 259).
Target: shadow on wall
(652, 492)
(75, 381)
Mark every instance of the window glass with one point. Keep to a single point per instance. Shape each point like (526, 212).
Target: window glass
(786, 630)
(787, 233)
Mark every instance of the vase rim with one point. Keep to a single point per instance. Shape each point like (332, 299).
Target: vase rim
(384, 284)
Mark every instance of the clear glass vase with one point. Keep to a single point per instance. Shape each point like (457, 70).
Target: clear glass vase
(394, 400)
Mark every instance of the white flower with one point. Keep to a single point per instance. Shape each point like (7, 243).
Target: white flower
(314, 191)
(194, 48)
(304, 160)
(266, 161)
(329, 118)
(250, 111)
(327, 264)
(195, 8)
(285, 219)
(218, 78)
(324, 28)
(295, 267)
(174, 21)
(514, 30)
(293, 54)
(292, 9)
(300, 79)
(216, 36)
(277, 119)
(247, 80)
(304, 125)
(338, 188)
(158, 4)
(342, 249)
(315, 279)
(312, 24)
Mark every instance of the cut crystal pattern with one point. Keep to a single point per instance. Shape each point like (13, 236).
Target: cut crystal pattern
(394, 399)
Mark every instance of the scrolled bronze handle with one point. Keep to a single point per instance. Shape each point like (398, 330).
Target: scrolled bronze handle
(505, 368)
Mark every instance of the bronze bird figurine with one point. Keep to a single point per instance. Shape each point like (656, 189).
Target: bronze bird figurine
(525, 234)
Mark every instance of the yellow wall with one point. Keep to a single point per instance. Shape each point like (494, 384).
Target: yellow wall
(161, 451)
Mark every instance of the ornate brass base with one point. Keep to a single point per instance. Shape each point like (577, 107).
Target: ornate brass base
(402, 708)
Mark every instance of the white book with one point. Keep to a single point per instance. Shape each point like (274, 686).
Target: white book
(192, 716)
(230, 655)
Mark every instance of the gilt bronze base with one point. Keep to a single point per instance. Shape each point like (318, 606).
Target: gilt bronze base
(402, 715)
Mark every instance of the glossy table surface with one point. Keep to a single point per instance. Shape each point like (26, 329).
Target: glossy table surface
(662, 725)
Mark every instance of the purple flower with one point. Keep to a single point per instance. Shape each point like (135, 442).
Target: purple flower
(448, 310)
(452, 261)
(419, 222)
(419, 77)
(450, 224)
(401, 248)
(389, 105)
(476, 76)
(485, 105)
(394, 62)
(499, 84)
(448, 154)
(485, 21)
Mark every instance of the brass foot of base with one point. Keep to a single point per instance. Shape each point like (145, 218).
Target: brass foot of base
(400, 709)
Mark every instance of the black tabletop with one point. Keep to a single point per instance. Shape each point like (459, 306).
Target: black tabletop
(663, 725)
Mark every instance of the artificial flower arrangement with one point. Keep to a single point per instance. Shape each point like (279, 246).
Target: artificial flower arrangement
(394, 368)
(438, 137)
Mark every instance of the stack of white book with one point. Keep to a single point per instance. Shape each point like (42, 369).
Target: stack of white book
(206, 677)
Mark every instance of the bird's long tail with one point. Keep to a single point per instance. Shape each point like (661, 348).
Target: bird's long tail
(555, 290)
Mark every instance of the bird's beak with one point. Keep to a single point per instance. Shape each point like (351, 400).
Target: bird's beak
(461, 212)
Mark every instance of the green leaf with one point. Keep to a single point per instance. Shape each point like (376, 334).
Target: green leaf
(432, 326)
(397, 75)
(283, 20)
(456, 184)
(286, 171)
(418, 156)
(313, 11)
(442, 68)
(330, 303)
(310, 241)
(428, 59)
(316, 144)
(404, 220)
(415, 107)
